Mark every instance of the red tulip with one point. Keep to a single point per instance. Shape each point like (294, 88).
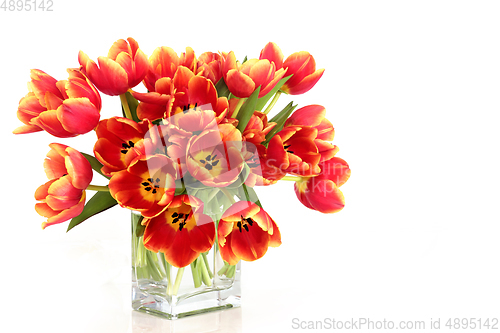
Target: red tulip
(63, 196)
(245, 232)
(62, 108)
(181, 232)
(322, 192)
(124, 67)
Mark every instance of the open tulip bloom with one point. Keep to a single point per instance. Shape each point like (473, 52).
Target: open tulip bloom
(185, 156)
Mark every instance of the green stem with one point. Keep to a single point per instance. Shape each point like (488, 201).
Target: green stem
(223, 270)
(292, 178)
(230, 271)
(196, 274)
(126, 108)
(204, 272)
(98, 188)
(273, 102)
(228, 195)
(152, 267)
(238, 107)
(205, 260)
(177, 284)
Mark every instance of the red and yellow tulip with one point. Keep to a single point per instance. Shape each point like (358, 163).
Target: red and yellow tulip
(299, 64)
(147, 185)
(63, 196)
(322, 192)
(181, 231)
(246, 231)
(117, 138)
(63, 108)
(314, 116)
(209, 66)
(243, 79)
(124, 67)
(214, 156)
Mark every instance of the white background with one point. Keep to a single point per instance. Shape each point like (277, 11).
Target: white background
(412, 89)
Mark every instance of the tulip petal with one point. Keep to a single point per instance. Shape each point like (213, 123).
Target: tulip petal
(306, 83)
(239, 84)
(49, 122)
(250, 245)
(272, 53)
(78, 115)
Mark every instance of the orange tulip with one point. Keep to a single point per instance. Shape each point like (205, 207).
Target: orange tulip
(243, 79)
(215, 157)
(246, 231)
(61, 108)
(181, 232)
(314, 116)
(63, 196)
(209, 66)
(117, 138)
(299, 64)
(305, 75)
(147, 185)
(124, 67)
(322, 192)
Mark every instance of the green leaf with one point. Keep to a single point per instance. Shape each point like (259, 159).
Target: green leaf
(97, 204)
(95, 164)
(279, 119)
(222, 90)
(264, 99)
(138, 228)
(247, 110)
(132, 104)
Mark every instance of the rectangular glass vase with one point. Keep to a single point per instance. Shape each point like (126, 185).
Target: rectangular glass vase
(158, 288)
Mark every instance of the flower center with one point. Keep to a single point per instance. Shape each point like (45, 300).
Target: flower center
(244, 223)
(210, 161)
(151, 184)
(126, 147)
(286, 149)
(180, 218)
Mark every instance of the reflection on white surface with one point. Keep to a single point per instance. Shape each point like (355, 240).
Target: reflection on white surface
(219, 321)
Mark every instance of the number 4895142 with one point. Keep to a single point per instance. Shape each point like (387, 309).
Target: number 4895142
(27, 5)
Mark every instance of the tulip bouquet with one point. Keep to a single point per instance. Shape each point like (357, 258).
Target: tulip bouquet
(184, 156)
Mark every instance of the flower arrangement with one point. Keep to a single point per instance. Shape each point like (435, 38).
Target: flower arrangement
(185, 156)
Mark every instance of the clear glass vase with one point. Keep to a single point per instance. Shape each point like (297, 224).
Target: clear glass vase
(158, 288)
